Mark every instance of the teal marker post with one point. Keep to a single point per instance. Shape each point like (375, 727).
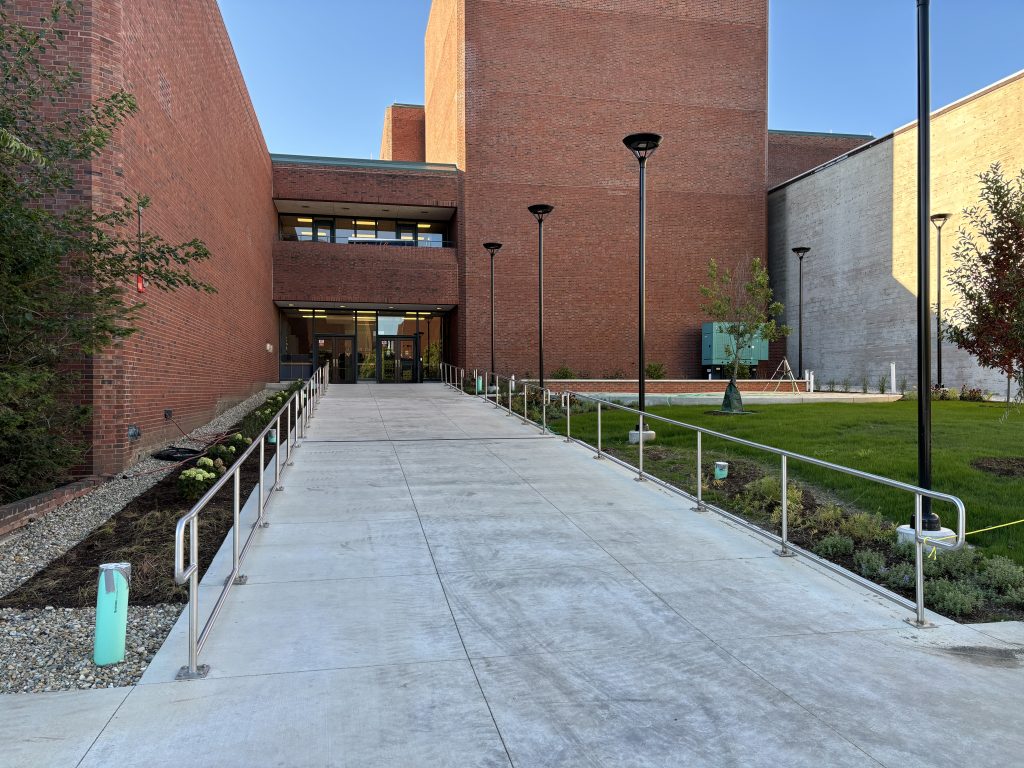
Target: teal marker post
(111, 613)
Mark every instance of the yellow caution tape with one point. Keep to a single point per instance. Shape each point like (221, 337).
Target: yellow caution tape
(932, 555)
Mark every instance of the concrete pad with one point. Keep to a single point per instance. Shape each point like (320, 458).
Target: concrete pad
(652, 707)
(53, 729)
(461, 542)
(932, 698)
(502, 613)
(407, 715)
(1011, 632)
(764, 597)
(344, 550)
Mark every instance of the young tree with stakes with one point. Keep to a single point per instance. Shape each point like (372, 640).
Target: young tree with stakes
(747, 312)
(987, 320)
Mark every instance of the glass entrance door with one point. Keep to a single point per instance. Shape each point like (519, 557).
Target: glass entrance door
(398, 359)
(338, 353)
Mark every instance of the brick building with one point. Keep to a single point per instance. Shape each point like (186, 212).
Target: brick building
(376, 266)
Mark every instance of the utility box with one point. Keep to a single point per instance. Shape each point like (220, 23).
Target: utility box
(715, 339)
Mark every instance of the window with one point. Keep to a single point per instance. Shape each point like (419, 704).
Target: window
(296, 227)
(431, 233)
(329, 229)
(365, 229)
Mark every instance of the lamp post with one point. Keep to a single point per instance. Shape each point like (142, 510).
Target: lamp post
(493, 248)
(540, 212)
(929, 520)
(642, 145)
(938, 219)
(800, 252)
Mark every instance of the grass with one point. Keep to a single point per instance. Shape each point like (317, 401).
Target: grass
(880, 438)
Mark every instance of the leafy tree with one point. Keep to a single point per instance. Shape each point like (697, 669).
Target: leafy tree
(987, 320)
(63, 270)
(747, 311)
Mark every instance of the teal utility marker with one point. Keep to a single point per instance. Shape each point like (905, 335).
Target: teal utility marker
(479, 384)
(721, 470)
(111, 613)
(272, 437)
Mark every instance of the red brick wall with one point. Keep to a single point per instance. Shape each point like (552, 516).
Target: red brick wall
(792, 153)
(364, 273)
(195, 148)
(301, 181)
(544, 119)
(403, 134)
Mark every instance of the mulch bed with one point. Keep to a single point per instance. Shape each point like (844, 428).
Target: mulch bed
(141, 534)
(1003, 466)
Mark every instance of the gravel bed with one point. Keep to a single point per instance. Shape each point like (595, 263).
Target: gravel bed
(50, 649)
(28, 550)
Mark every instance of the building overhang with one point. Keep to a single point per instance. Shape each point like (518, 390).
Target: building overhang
(372, 210)
(364, 306)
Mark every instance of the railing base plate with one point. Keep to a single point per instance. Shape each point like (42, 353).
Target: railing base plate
(784, 552)
(278, 487)
(202, 671)
(240, 579)
(912, 621)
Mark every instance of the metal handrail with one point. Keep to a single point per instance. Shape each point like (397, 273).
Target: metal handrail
(786, 549)
(302, 402)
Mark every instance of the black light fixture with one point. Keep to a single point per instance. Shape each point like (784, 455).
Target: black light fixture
(642, 145)
(540, 211)
(492, 248)
(929, 520)
(938, 219)
(800, 252)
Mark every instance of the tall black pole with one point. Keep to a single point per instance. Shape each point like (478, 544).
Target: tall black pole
(929, 520)
(800, 319)
(540, 298)
(642, 313)
(539, 211)
(493, 248)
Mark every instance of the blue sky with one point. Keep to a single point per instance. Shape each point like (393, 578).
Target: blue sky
(321, 72)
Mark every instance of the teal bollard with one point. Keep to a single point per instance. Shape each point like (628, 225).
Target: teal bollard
(111, 613)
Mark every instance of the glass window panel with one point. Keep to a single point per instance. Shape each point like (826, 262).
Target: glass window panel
(385, 229)
(434, 347)
(344, 230)
(342, 323)
(405, 232)
(296, 227)
(431, 233)
(322, 230)
(388, 323)
(366, 339)
(365, 229)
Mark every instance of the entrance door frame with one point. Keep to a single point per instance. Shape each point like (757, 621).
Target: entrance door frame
(417, 372)
(353, 368)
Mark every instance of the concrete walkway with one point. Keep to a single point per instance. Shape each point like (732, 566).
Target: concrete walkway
(443, 586)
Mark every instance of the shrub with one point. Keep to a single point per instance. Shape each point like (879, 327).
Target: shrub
(944, 393)
(827, 518)
(221, 452)
(764, 497)
(846, 384)
(1001, 575)
(834, 546)
(899, 576)
(864, 384)
(655, 370)
(869, 563)
(960, 565)
(193, 483)
(902, 385)
(205, 462)
(830, 385)
(951, 598)
(239, 441)
(883, 385)
(865, 528)
(1014, 598)
(563, 372)
(972, 395)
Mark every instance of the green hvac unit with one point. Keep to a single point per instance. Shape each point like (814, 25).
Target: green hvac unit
(714, 339)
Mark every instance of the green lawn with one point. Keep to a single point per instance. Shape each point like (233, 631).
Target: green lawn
(879, 438)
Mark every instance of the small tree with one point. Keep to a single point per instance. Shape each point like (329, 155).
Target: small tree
(987, 319)
(747, 311)
(63, 271)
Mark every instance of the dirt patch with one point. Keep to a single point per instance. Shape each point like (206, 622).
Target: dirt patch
(1003, 466)
(141, 534)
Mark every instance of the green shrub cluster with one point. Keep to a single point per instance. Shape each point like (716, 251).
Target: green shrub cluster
(257, 419)
(194, 482)
(833, 546)
(655, 370)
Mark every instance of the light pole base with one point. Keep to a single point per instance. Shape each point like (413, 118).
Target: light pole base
(634, 436)
(906, 534)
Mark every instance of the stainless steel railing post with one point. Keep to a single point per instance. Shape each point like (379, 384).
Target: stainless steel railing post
(568, 417)
(263, 468)
(920, 620)
(544, 410)
(640, 463)
(193, 598)
(511, 387)
(598, 456)
(236, 508)
(526, 397)
(700, 475)
(277, 454)
(784, 550)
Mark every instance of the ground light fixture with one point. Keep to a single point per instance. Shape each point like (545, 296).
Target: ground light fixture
(938, 219)
(642, 145)
(800, 252)
(540, 212)
(492, 248)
